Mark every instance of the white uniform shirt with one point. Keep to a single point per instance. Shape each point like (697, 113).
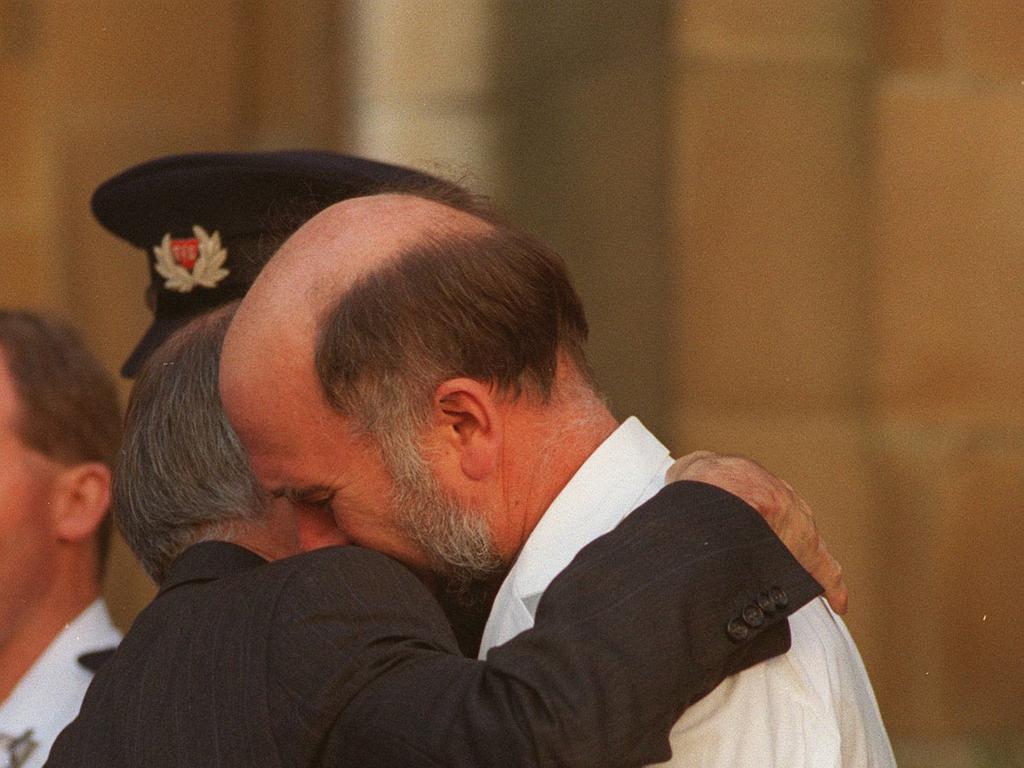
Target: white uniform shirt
(812, 706)
(50, 693)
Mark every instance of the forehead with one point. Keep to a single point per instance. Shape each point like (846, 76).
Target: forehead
(281, 416)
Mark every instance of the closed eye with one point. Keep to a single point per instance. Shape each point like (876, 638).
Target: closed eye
(321, 502)
(316, 497)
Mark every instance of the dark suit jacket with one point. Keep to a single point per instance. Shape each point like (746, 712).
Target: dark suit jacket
(341, 657)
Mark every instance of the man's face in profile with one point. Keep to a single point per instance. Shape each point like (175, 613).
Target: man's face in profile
(302, 448)
(306, 454)
(28, 544)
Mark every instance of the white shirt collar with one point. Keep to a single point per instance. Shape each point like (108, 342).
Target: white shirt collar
(625, 470)
(49, 695)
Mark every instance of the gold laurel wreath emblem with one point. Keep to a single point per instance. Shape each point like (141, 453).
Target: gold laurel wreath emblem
(208, 270)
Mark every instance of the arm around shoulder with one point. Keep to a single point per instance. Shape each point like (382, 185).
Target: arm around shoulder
(631, 633)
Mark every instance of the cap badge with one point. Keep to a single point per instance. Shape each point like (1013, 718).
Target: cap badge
(193, 261)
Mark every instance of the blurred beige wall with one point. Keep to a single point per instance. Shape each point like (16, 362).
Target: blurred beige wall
(849, 227)
(797, 226)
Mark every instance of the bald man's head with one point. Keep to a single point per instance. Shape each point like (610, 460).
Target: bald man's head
(366, 310)
(322, 260)
(366, 287)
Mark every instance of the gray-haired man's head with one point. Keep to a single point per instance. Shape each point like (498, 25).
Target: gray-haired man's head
(182, 476)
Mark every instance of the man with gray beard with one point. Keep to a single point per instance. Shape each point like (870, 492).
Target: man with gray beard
(396, 332)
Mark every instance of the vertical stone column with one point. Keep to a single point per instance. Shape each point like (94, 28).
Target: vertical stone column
(773, 270)
(584, 89)
(949, 234)
(848, 218)
(292, 87)
(420, 80)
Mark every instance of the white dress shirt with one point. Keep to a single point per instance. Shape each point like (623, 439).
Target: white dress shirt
(50, 694)
(812, 706)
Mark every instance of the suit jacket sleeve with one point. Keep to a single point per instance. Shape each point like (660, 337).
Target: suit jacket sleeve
(629, 635)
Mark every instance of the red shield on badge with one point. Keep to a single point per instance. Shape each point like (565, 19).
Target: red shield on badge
(185, 252)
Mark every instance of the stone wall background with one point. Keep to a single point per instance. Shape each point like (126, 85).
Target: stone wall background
(797, 226)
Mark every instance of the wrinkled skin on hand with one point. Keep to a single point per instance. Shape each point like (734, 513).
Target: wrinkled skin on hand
(787, 514)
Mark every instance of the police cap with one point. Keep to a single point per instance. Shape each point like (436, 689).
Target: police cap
(209, 222)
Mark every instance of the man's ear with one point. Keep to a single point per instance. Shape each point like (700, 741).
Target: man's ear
(468, 425)
(80, 500)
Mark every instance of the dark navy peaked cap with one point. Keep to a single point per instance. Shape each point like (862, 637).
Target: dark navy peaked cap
(209, 222)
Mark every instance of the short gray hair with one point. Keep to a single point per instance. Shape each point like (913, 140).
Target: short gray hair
(182, 475)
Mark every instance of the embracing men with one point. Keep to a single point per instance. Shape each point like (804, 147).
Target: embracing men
(417, 371)
(408, 376)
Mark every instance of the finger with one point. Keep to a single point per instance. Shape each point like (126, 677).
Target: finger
(824, 568)
(829, 571)
(796, 527)
(681, 469)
